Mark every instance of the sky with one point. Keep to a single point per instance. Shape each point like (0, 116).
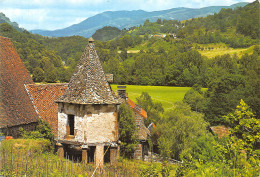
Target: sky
(58, 14)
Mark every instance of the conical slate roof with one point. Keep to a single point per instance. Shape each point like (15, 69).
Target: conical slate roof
(88, 85)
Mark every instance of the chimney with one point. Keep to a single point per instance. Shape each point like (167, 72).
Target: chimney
(91, 40)
(121, 91)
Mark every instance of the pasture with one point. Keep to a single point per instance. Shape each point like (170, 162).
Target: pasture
(222, 49)
(164, 94)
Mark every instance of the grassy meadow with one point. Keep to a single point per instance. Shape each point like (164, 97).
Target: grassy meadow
(166, 95)
(222, 49)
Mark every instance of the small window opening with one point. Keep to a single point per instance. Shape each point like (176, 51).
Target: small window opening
(71, 124)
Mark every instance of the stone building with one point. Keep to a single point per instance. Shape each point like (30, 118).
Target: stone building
(83, 118)
(88, 113)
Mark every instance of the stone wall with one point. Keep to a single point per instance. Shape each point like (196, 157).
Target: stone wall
(14, 130)
(93, 123)
(138, 152)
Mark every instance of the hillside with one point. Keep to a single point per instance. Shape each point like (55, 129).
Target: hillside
(127, 19)
(106, 33)
(4, 19)
(206, 51)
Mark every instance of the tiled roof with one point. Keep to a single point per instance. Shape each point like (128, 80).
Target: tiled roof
(15, 105)
(43, 98)
(220, 130)
(88, 85)
(137, 109)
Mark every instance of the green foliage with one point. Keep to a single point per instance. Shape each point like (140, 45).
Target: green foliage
(245, 127)
(218, 157)
(153, 109)
(219, 27)
(237, 155)
(106, 33)
(33, 53)
(157, 169)
(38, 75)
(223, 96)
(43, 131)
(195, 99)
(33, 145)
(4, 19)
(179, 129)
(248, 20)
(127, 130)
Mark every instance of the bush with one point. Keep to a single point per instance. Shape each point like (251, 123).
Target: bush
(43, 131)
(32, 145)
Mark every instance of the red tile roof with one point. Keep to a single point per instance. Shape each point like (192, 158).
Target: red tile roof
(43, 98)
(220, 130)
(137, 109)
(15, 105)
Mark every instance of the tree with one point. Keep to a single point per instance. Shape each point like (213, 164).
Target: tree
(179, 129)
(38, 75)
(153, 109)
(222, 97)
(195, 98)
(159, 21)
(245, 126)
(50, 75)
(127, 130)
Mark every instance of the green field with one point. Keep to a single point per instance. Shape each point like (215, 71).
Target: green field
(166, 95)
(222, 49)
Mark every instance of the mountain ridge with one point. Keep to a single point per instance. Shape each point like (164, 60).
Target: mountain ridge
(126, 19)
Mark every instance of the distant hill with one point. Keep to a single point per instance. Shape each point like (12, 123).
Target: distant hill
(106, 33)
(4, 19)
(127, 19)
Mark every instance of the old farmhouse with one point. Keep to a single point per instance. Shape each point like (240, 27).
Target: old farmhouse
(83, 114)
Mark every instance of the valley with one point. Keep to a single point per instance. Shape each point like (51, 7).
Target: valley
(194, 82)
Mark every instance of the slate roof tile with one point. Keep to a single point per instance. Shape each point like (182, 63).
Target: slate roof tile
(88, 85)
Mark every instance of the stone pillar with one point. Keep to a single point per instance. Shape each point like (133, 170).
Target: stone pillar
(138, 152)
(99, 155)
(60, 150)
(113, 155)
(85, 154)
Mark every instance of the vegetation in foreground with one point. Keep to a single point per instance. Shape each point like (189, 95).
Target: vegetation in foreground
(181, 131)
(32, 157)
